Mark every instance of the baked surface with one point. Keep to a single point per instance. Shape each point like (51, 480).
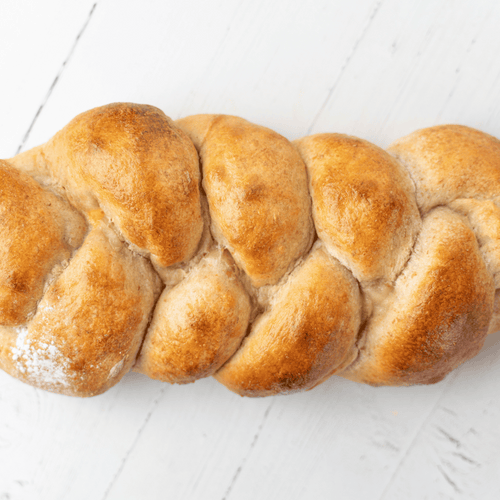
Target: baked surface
(213, 246)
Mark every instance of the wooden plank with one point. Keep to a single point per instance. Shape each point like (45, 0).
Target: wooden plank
(269, 61)
(420, 64)
(37, 40)
(456, 452)
(47, 440)
(311, 445)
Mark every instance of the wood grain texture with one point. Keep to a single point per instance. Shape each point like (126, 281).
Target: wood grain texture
(376, 69)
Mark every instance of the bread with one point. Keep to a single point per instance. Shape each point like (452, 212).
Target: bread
(213, 246)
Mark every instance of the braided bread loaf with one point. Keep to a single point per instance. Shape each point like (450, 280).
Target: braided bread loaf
(273, 267)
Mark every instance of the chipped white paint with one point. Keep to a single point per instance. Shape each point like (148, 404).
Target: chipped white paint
(374, 68)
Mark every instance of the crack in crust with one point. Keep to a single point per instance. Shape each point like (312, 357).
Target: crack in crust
(186, 249)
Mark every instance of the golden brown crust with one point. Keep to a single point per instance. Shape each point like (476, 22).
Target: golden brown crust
(134, 163)
(484, 219)
(256, 187)
(309, 332)
(364, 205)
(36, 232)
(459, 167)
(72, 318)
(495, 319)
(198, 325)
(88, 326)
(447, 162)
(439, 313)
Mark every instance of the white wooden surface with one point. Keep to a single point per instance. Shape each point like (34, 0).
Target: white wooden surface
(377, 69)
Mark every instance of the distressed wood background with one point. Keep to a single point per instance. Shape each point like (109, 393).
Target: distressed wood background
(377, 69)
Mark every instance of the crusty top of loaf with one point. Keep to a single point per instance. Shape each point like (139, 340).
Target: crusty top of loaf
(447, 162)
(363, 204)
(136, 165)
(256, 187)
(308, 334)
(37, 231)
(439, 311)
(198, 325)
(83, 337)
(392, 289)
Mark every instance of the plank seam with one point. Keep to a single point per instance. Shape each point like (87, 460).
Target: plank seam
(135, 441)
(56, 79)
(346, 64)
(252, 446)
(418, 433)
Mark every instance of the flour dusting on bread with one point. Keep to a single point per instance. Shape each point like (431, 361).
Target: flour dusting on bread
(40, 361)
